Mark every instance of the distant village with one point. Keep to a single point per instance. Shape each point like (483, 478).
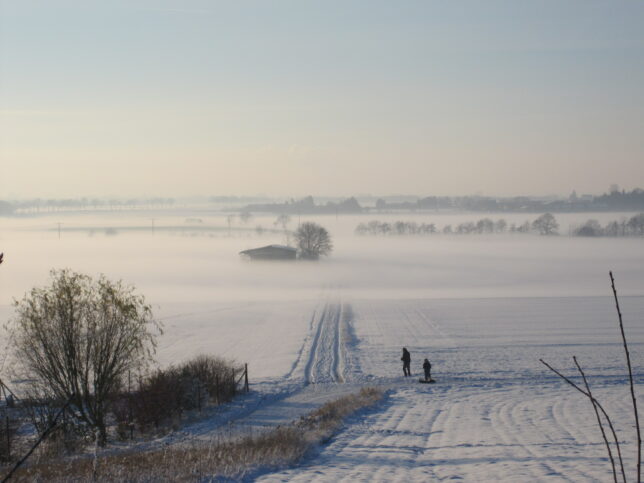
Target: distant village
(614, 200)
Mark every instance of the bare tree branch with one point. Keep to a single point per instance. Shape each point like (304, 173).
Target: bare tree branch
(589, 396)
(630, 378)
(601, 426)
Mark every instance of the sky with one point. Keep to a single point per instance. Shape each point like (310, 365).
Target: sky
(289, 98)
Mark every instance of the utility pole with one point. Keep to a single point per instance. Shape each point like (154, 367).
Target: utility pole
(59, 229)
(152, 225)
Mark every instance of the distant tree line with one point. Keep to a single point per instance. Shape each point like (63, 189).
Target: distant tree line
(620, 200)
(376, 227)
(307, 206)
(633, 226)
(6, 208)
(545, 224)
(39, 205)
(614, 201)
(236, 199)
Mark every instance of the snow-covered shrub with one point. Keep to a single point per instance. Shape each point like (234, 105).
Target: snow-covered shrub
(164, 395)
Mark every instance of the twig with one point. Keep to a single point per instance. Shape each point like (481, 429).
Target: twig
(5, 387)
(601, 426)
(630, 378)
(42, 437)
(592, 398)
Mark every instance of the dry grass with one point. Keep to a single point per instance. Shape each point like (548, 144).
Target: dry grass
(327, 418)
(202, 462)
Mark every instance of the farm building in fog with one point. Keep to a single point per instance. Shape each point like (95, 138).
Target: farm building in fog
(271, 252)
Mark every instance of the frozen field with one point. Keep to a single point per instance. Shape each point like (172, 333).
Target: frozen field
(495, 414)
(484, 310)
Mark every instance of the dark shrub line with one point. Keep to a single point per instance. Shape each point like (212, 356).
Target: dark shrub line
(238, 458)
(166, 394)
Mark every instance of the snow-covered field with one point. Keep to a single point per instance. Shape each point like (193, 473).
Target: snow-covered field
(483, 309)
(496, 412)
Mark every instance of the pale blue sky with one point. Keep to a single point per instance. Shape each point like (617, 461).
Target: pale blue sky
(334, 98)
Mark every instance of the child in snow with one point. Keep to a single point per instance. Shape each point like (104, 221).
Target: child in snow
(427, 367)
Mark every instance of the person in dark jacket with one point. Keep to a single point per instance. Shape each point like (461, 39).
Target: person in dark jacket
(427, 367)
(406, 358)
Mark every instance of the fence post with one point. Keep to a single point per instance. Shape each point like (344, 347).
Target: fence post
(8, 439)
(246, 377)
(130, 416)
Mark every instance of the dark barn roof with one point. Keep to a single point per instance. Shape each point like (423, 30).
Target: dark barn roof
(271, 252)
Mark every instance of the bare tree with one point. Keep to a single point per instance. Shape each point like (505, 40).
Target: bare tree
(546, 224)
(283, 220)
(524, 227)
(245, 217)
(636, 224)
(78, 337)
(590, 228)
(485, 225)
(313, 241)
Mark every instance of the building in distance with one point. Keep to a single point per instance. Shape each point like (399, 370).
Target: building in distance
(270, 252)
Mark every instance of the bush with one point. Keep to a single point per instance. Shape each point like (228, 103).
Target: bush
(164, 395)
(69, 434)
(215, 379)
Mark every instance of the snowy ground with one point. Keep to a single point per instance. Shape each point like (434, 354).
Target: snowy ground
(495, 413)
(497, 432)
(484, 310)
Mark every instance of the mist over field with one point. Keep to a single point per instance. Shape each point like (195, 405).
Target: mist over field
(188, 267)
(179, 261)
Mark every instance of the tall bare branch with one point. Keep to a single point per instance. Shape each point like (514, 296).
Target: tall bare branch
(592, 398)
(630, 378)
(601, 426)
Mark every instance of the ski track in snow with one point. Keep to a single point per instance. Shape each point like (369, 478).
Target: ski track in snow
(318, 375)
(488, 434)
(327, 355)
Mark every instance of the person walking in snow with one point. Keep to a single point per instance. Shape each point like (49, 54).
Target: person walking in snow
(427, 367)
(406, 358)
